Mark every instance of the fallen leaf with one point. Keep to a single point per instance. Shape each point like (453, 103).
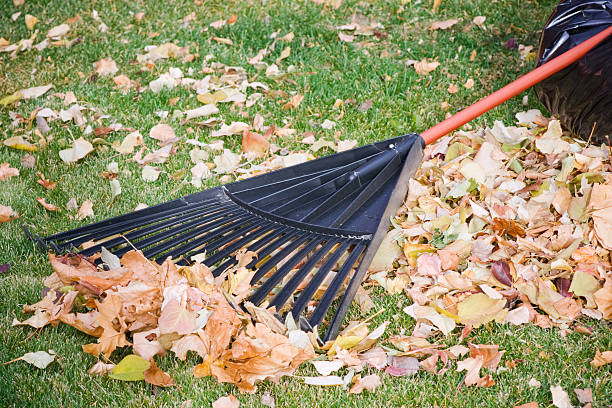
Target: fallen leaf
(325, 368)
(162, 132)
(528, 405)
(602, 358)
(443, 25)
(48, 206)
(325, 381)
(86, 210)
(156, 376)
(40, 359)
(30, 21)
(584, 395)
(452, 89)
(58, 31)
(254, 143)
(7, 213)
(424, 67)
(369, 383)
(131, 368)
(560, 397)
(101, 368)
(80, 148)
(19, 143)
(106, 66)
(228, 401)
(479, 20)
(6, 171)
(225, 41)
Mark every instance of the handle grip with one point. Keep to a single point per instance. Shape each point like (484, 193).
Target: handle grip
(514, 88)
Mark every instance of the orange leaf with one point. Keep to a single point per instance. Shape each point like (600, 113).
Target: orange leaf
(254, 143)
(156, 376)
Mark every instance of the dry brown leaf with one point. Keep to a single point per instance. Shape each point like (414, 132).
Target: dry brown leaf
(46, 183)
(86, 210)
(163, 132)
(6, 171)
(48, 206)
(254, 143)
(156, 376)
(7, 213)
(225, 41)
(424, 67)
(369, 383)
(106, 67)
(533, 404)
(228, 401)
(443, 25)
(602, 358)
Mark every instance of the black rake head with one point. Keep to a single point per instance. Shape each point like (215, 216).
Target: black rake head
(315, 223)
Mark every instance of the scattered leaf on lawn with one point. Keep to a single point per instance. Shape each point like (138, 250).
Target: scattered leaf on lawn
(602, 358)
(30, 21)
(19, 143)
(7, 213)
(369, 383)
(80, 148)
(424, 67)
(131, 368)
(6, 171)
(48, 206)
(101, 368)
(106, 67)
(560, 397)
(40, 359)
(228, 401)
(156, 376)
(443, 25)
(86, 210)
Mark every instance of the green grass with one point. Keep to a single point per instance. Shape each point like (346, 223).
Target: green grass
(402, 102)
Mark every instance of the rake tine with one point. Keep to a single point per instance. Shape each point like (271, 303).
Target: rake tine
(146, 230)
(281, 297)
(317, 279)
(192, 233)
(250, 237)
(261, 293)
(269, 240)
(319, 313)
(276, 258)
(118, 223)
(172, 232)
(214, 241)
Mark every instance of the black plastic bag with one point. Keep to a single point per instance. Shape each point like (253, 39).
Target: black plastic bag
(581, 94)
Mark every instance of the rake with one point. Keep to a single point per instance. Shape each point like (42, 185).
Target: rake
(315, 227)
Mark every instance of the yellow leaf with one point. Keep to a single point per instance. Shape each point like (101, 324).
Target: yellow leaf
(131, 368)
(344, 343)
(19, 143)
(212, 97)
(479, 309)
(7, 100)
(585, 285)
(30, 21)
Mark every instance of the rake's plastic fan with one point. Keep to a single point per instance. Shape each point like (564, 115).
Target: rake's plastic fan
(318, 221)
(300, 221)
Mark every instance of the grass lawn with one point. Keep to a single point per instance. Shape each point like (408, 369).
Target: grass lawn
(326, 69)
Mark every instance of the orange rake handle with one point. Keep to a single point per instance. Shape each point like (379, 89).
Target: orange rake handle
(514, 88)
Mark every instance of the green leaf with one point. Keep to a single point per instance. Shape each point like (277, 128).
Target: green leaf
(131, 368)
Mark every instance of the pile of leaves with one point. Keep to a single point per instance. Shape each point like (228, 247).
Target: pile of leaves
(508, 224)
(165, 308)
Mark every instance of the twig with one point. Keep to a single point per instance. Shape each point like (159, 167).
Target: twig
(591, 135)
